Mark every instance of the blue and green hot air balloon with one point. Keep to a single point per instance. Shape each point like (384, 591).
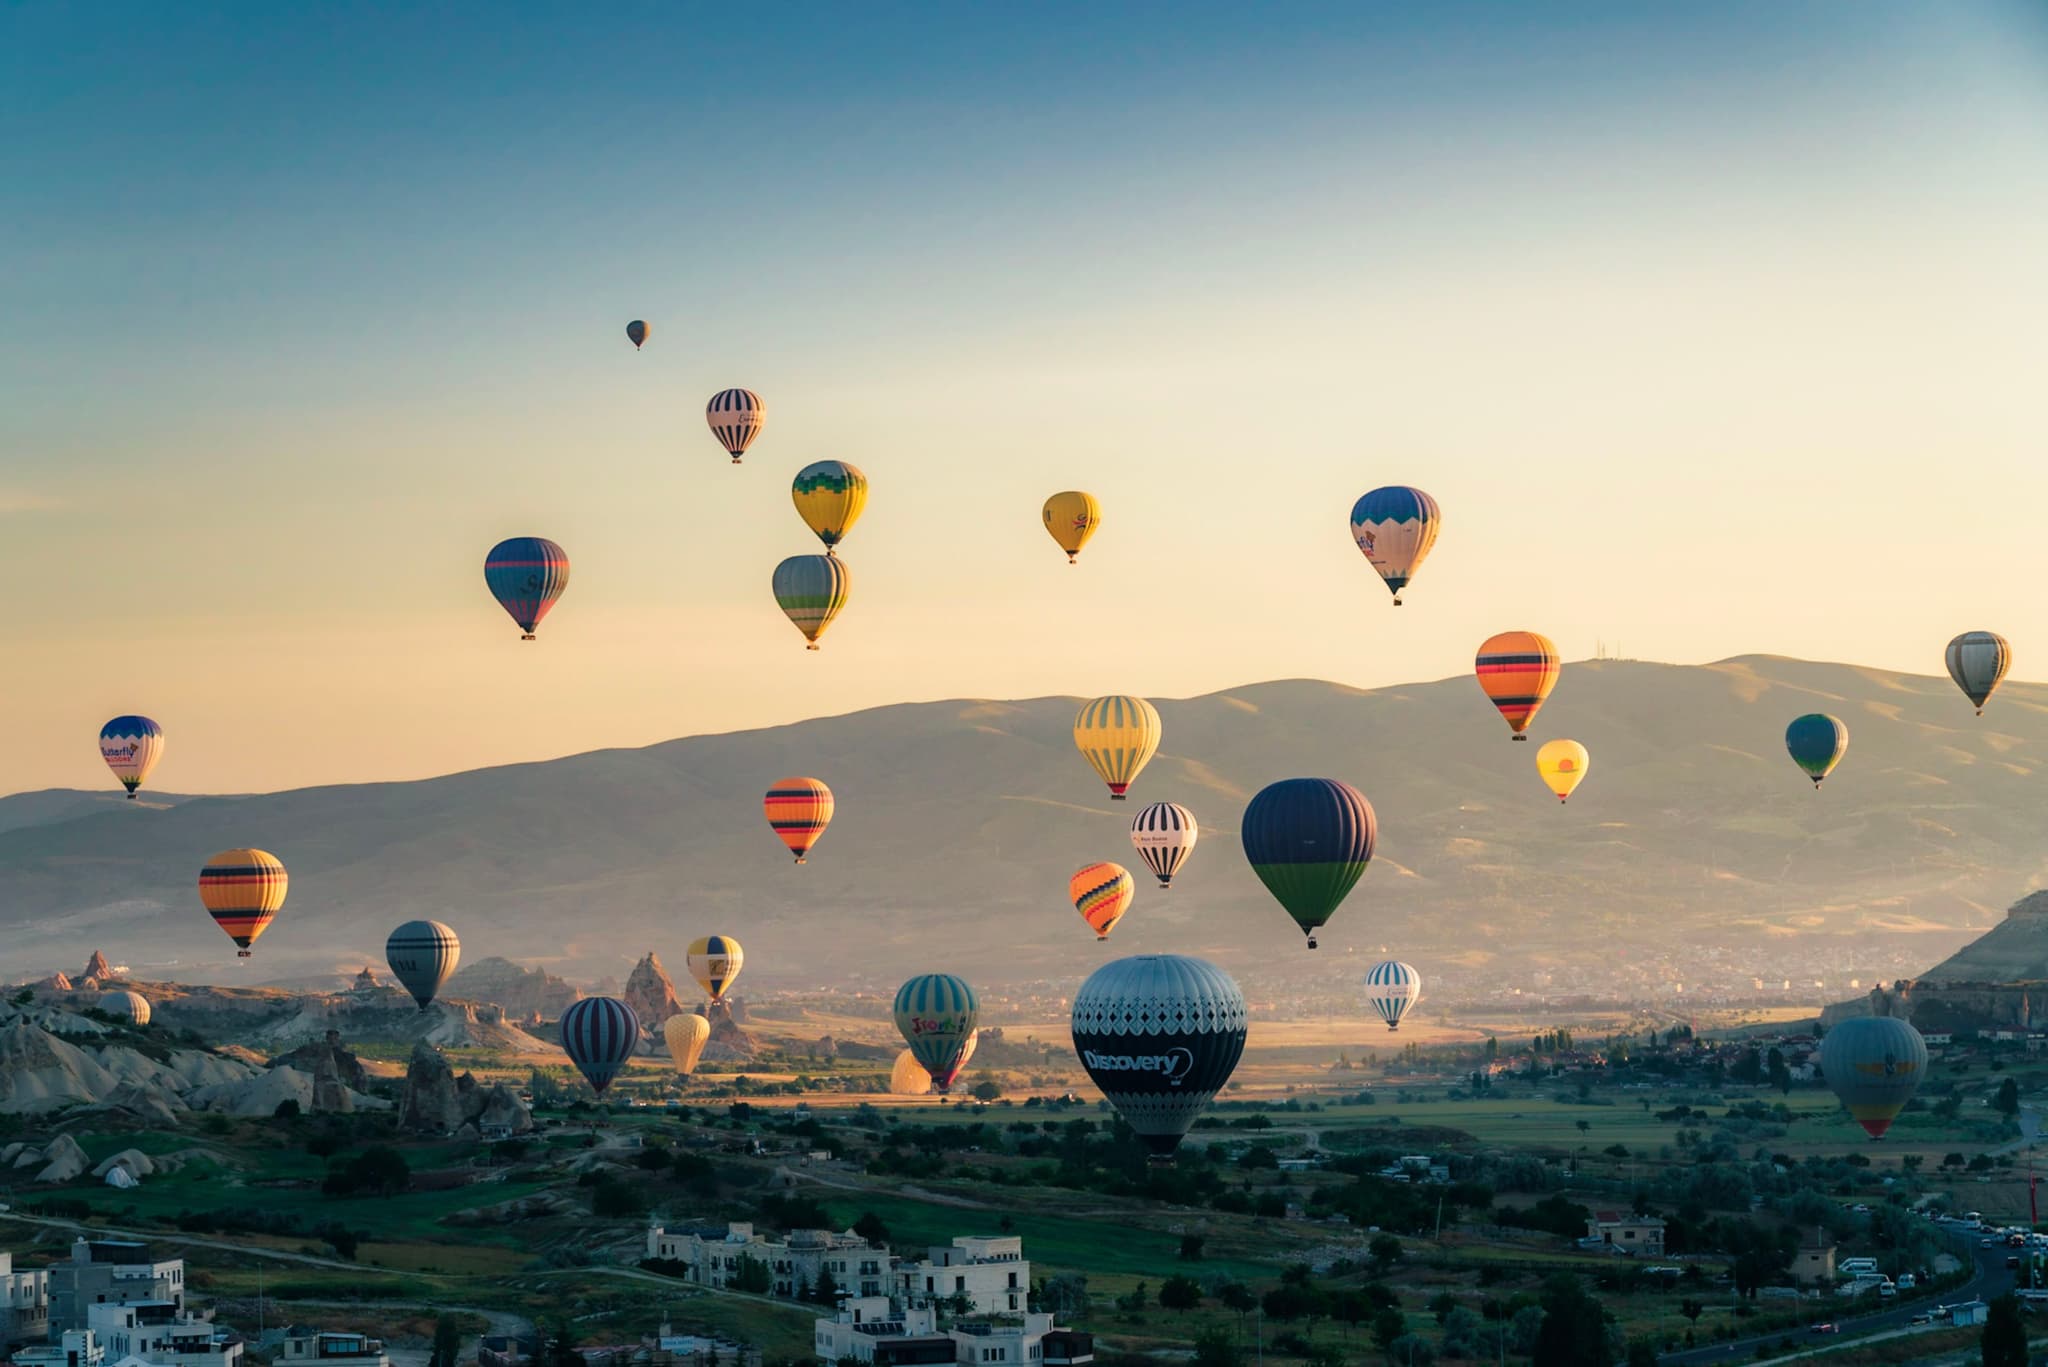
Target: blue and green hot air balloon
(1309, 840)
(1817, 743)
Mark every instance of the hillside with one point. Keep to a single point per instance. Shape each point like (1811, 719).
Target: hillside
(959, 822)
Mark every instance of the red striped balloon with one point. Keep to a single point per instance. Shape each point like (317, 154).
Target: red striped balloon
(1102, 894)
(1518, 669)
(244, 890)
(798, 810)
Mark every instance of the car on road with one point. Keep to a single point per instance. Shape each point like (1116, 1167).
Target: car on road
(1987, 1243)
(1825, 1327)
(1921, 1319)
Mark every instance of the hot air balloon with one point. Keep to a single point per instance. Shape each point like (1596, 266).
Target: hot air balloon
(1309, 840)
(799, 810)
(714, 962)
(1874, 1064)
(1395, 527)
(736, 416)
(811, 590)
(686, 1036)
(1977, 661)
(829, 497)
(1160, 1034)
(599, 1035)
(244, 889)
(1817, 742)
(636, 332)
(1118, 735)
(422, 954)
(1102, 894)
(131, 746)
(526, 574)
(1164, 835)
(936, 1013)
(1518, 669)
(1070, 519)
(130, 1006)
(908, 1077)
(1393, 987)
(1563, 764)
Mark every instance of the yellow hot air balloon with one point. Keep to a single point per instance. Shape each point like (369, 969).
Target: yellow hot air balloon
(1070, 519)
(908, 1077)
(714, 962)
(1562, 763)
(829, 496)
(1118, 735)
(686, 1036)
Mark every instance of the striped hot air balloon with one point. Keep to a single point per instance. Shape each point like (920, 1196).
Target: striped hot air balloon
(1977, 661)
(1817, 743)
(636, 332)
(714, 962)
(599, 1035)
(1070, 519)
(1874, 1064)
(423, 955)
(526, 574)
(830, 496)
(1118, 735)
(1160, 1034)
(686, 1035)
(1563, 765)
(736, 416)
(1102, 894)
(1394, 528)
(1393, 988)
(937, 1013)
(131, 1006)
(799, 810)
(811, 589)
(1309, 841)
(1164, 834)
(244, 890)
(1518, 669)
(131, 746)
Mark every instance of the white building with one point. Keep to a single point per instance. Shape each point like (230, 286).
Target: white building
(794, 1264)
(74, 1348)
(991, 1273)
(24, 1304)
(160, 1334)
(877, 1330)
(302, 1345)
(111, 1272)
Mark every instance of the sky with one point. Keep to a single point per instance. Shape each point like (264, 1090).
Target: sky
(1714, 330)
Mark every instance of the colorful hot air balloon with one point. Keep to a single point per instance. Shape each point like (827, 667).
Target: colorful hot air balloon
(830, 496)
(244, 889)
(637, 332)
(1977, 661)
(1817, 742)
(1160, 1034)
(599, 1035)
(422, 954)
(686, 1036)
(1164, 834)
(1309, 840)
(811, 589)
(1393, 987)
(936, 1013)
(736, 416)
(1395, 527)
(1874, 1064)
(1563, 764)
(1118, 735)
(1070, 519)
(714, 962)
(131, 746)
(129, 1006)
(1518, 669)
(1102, 894)
(526, 574)
(799, 810)
(908, 1077)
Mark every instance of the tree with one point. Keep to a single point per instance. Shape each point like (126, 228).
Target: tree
(2007, 1102)
(1387, 1326)
(753, 1275)
(287, 1109)
(1191, 1246)
(2004, 1343)
(1214, 1348)
(826, 1292)
(1643, 1352)
(1180, 1293)
(1574, 1332)
(870, 1227)
(1239, 1297)
(447, 1341)
(1584, 1125)
(562, 1345)
(1692, 1310)
(986, 1088)
(1776, 1069)
(1462, 1329)
(1385, 1251)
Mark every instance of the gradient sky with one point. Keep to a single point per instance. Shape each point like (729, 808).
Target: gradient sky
(1714, 330)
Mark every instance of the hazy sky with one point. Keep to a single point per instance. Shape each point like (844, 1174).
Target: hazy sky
(1714, 329)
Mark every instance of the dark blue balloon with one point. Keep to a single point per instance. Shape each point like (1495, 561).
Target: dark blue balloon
(1309, 840)
(598, 1034)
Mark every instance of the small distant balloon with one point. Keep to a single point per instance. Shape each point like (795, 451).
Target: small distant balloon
(637, 332)
(1102, 894)
(1164, 835)
(131, 746)
(1393, 988)
(830, 496)
(423, 955)
(811, 590)
(130, 1006)
(714, 961)
(599, 1035)
(243, 890)
(526, 574)
(1874, 1064)
(686, 1036)
(798, 810)
(1817, 743)
(1563, 765)
(1117, 735)
(1394, 528)
(1070, 519)
(736, 417)
(1517, 670)
(1977, 661)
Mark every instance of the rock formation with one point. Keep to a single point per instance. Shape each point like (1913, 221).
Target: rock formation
(651, 994)
(97, 968)
(366, 981)
(520, 992)
(728, 1043)
(436, 1101)
(328, 1057)
(63, 1160)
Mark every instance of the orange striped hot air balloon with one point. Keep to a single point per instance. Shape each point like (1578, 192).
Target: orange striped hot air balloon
(1102, 894)
(799, 810)
(1518, 669)
(244, 889)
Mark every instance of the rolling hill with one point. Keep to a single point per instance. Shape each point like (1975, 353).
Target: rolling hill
(959, 822)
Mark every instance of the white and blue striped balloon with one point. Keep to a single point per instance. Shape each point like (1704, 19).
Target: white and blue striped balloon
(1393, 988)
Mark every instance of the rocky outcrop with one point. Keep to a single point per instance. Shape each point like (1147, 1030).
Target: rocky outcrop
(135, 1161)
(651, 994)
(436, 1101)
(326, 1056)
(728, 1043)
(63, 1160)
(146, 1105)
(40, 1072)
(97, 968)
(366, 981)
(520, 992)
(263, 1094)
(502, 1108)
(56, 982)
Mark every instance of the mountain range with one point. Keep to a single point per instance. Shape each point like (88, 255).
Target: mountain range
(959, 822)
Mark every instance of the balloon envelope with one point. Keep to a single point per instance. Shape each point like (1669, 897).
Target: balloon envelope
(1563, 764)
(1874, 1064)
(908, 1077)
(599, 1034)
(686, 1036)
(131, 746)
(130, 1005)
(244, 890)
(1517, 670)
(1070, 519)
(736, 417)
(1393, 988)
(1977, 661)
(811, 589)
(422, 954)
(1117, 735)
(1102, 894)
(798, 810)
(526, 574)
(714, 962)
(1309, 841)
(1164, 834)
(1394, 528)
(637, 331)
(1817, 743)
(936, 1013)
(1159, 1034)
(829, 496)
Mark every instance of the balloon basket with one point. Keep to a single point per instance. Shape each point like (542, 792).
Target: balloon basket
(1397, 602)
(529, 636)
(242, 954)
(131, 791)
(799, 859)
(1520, 736)
(812, 646)
(735, 460)
(1311, 942)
